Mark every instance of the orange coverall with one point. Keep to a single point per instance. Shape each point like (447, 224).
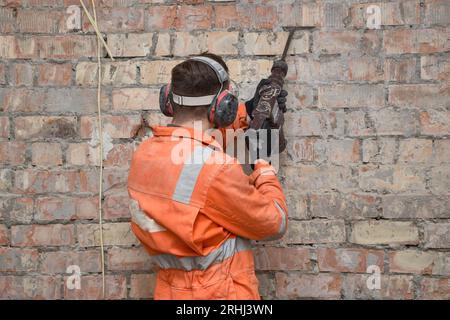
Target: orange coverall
(196, 217)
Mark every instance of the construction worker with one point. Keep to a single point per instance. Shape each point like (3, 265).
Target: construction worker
(196, 211)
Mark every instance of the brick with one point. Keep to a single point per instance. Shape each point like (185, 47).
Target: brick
(160, 17)
(359, 124)
(351, 96)
(117, 20)
(116, 206)
(45, 127)
(322, 69)
(20, 74)
(391, 178)
(18, 260)
(335, 205)
(58, 261)
(63, 208)
(435, 289)
(440, 179)
(391, 121)
(319, 178)
(392, 287)
(271, 258)
(381, 150)
(42, 235)
(396, 69)
(54, 74)
(193, 17)
(22, 100)
(434, 67)
(17, 209)
(46, 154)
(244, 70)
(314, 123)
(32, 181)
(115, 126)
(157, 72)
(392, 14)
(400, 41)
(345, 42)
(67, 47)
(7, 20)
(4, 127)
(419, 262)
(189, 43)
(222, 43)
(91, 288)
(272, 43)
(435, 122)
(316, 231)
(344, 151)
(130, 44)
(4, 236)
(120, 259)
(37, 21)
(437, 235)
(163, 46)
(421, 95)
(135, 99)
(80, 154)
(373, 232)
(297, 205)
(415, 206)
(12, 153)
(306, 150)
(246, 17)
(119, 156)
(442, 151)
(294, 286)
(348, 259)
(119, 233)
(437, 12)
(24, 47)
(300, 96)
(266, 284)
(3, 72)
(415, 150)
(365, 69)
(34, 287)
(113, 73)
(142, 286)
(302, 15)
(5, 179)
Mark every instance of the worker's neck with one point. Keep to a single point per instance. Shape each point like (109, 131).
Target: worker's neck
(189, 122)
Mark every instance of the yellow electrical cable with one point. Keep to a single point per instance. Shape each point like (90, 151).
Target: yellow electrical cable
(100, 41)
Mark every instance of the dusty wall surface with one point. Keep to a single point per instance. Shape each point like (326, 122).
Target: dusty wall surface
(367, 171)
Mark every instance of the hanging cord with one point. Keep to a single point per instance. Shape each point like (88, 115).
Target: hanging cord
(100, 42)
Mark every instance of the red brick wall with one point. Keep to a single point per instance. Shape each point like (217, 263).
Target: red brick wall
(367, 171)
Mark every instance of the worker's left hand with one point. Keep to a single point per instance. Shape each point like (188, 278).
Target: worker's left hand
(252, 103)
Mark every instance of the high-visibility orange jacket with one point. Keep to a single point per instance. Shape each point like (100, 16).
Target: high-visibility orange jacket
(195, 211)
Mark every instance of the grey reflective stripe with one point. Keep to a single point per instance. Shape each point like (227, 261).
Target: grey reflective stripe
(282, 228)
(189, 174)
(226, 250)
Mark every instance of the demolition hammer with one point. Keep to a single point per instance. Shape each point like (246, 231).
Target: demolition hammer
(267, 114)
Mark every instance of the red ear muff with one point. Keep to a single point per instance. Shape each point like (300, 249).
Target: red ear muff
(223, 110)
(164, 100)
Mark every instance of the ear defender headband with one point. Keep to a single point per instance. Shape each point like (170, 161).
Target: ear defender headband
(223, 105)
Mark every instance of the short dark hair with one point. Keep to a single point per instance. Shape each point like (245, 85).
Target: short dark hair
(194, 78)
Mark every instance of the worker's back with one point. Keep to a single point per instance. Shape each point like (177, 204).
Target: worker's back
(197, 236)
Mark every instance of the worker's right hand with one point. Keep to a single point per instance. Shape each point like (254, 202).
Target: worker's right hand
(252, 103)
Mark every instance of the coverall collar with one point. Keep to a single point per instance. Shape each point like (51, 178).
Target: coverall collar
(187, 132)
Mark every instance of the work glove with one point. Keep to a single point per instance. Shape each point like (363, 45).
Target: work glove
(251, 104)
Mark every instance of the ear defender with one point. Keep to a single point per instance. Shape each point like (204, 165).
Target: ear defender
(164, 100)
(223, 105)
